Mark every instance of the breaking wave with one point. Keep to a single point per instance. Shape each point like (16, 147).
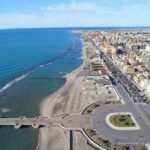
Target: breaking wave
(10, 83)
(28, 71)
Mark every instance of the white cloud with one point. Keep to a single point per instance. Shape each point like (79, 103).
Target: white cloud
(77, 7)
(15, 20)
(98, 9)
(79, 14)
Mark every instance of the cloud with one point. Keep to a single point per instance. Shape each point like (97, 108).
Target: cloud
(15, 20)
(72, 7)
(100, 8)
(102, 13)
(80, 14)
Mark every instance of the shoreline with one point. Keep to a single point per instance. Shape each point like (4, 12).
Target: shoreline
(67, 77)
(48, 104)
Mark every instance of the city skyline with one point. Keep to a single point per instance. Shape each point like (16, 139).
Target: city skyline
(74, 13)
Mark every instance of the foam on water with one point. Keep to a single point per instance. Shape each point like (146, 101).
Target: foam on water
(10, 83)
(60, 72)
(41, 65)
(4, 110)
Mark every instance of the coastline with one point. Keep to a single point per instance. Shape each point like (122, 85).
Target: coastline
(47, 105)
(53, 105)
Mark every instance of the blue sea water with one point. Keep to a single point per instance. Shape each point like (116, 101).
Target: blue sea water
(32, 65)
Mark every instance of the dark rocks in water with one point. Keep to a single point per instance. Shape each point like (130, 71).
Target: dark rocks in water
(48, 78)
(42, 78)
(70, 49)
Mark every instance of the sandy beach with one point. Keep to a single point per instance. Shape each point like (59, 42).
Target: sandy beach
(72, 97)
(65, 100)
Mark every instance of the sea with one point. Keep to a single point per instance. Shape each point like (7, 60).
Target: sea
(33, 63)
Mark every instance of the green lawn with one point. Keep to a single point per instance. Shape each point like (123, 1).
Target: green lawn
(120, 147)
(90, 132)
(136, 147)
(104, 143)
(121, 120)
(140, 147)
(100, 141)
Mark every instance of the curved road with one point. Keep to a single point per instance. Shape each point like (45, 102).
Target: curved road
(141, 136)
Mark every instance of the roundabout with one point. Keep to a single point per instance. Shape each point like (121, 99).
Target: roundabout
(115, 125)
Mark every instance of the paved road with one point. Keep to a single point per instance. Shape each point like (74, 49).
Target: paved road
(123, 94)
(100, 125)
(145, 109)
(135, 136)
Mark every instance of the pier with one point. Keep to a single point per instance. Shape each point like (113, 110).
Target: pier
(34, 122)
(70, 122)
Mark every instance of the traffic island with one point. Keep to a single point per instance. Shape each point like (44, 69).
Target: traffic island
(122, 121)
(117, 121)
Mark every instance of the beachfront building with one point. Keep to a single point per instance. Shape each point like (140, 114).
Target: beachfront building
(129, 51)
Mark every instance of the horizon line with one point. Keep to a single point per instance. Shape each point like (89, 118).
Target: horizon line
(74, 27)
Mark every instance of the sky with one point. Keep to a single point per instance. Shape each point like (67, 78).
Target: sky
(74, 13)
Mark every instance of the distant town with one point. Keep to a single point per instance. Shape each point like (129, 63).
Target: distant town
(129, 52)
(122, 57)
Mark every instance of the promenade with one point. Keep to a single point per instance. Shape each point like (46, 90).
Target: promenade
(69, 122)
